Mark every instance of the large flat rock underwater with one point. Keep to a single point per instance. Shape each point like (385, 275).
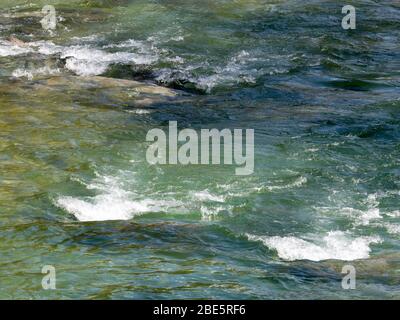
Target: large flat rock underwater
(96, 90)
(46, 119)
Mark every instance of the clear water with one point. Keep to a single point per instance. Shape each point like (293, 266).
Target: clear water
(77, 193)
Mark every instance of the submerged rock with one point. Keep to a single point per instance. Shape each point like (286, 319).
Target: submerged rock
(17, 42)
(376, 267)
(129, 72)
(94, 90)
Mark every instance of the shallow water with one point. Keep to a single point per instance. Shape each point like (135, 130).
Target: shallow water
(77, 193)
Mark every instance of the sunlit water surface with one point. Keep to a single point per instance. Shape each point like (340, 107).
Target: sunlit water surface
(77, 193)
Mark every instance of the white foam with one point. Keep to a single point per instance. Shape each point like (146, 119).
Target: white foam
(394, 214)
(112, 202)
(297, 183)
(361, 217)
(140, 111)
(30, 74)
(368, 215)
(236, 70)
(335, 245)
(393, 228)
(86, 67)
(45, 47)
(177, 38)
(205, 195)
(81, 59)
(9, 49)
(209, 214)
(100, 208)
(364, 217)
(86, 61)
(131, 43)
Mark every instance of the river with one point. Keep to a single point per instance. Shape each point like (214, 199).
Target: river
(77, 193)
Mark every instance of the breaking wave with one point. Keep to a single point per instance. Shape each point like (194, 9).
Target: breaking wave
(336, 245)
(82, 59)
(112, 202)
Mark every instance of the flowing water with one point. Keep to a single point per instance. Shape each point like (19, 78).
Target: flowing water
(77, 193)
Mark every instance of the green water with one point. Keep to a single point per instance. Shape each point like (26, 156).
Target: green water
(77, 193)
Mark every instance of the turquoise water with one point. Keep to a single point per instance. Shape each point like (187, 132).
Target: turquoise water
(77, 193)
